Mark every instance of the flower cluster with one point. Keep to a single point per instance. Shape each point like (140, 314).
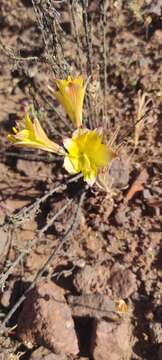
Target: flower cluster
(84, 152)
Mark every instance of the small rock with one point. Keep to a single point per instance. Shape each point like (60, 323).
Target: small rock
(11, 292)
(91, 279)
(155, 236)
(4, 245)
(121, 216)
(44, 354)
(122, 282)
(92, 305)
(6, 294)
(111, 340)
(146, 194)
(156, 332)
(119, 172)
(46, 319)
(93, 243)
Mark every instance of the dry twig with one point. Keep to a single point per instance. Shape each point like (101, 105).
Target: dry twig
(62, 240)
(31, 243)
(73, 10)
(140, 118)
(89, 56)
(29, 211)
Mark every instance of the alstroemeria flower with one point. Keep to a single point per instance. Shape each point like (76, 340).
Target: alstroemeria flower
(33, 135)
(87, 154)
(70, 94)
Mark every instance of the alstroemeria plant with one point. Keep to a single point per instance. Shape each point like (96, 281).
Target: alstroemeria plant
(84, 152)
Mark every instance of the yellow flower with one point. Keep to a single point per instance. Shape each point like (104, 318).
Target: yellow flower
(34, 136)
(70, 94)
(86, 154)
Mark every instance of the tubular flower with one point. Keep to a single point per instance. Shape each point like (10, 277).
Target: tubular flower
(86, 154)
(33, 135)
(70, 94)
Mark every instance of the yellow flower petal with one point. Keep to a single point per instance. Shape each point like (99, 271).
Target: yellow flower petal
(28, 123)
(71, 146)
(87, 154)
(90, 177)
(11, 138)
(70, 94)
(71, 165)
(34, 136)
(14, 130)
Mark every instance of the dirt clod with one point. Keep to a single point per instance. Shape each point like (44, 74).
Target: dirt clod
(46, 319)
(91, 279)
(92, 305)
(156, 332)
(44, 354)
(122, 282)
(6, 297)
(111, 341)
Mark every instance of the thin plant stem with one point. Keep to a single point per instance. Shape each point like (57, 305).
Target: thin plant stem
(62, 241)
(31, 243)
(76, 35)
(29, 211)
(89, 58)
(104, 22)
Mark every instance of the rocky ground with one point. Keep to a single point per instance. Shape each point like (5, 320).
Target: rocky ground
(99, 297)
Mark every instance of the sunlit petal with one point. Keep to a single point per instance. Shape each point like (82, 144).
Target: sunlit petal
(34, 136)
(70, 95)
(87, 154)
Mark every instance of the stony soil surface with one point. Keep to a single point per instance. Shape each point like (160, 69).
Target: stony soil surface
(115, 251)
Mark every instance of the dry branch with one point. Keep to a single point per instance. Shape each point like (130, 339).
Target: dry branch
(62, 240)
(29, 211)
(31, 243)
